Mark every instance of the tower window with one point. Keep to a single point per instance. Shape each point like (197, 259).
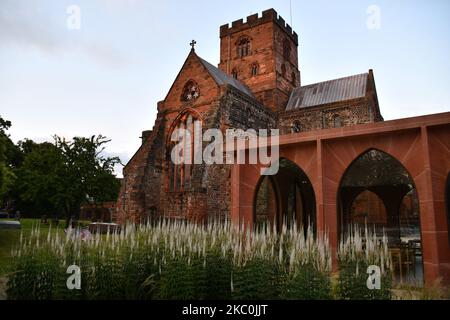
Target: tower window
(243, 46)
(234, 73)
(190, 91)
(254, 69)
(293, 76)
(286, 49)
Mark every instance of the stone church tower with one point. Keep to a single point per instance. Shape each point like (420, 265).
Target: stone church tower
(257, 85)
(262, 53)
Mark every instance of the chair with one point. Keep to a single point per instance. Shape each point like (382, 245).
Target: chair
(416, 245)
(408, 258)
(396, 257)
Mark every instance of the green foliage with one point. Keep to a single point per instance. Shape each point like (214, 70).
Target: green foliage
(55, 178)
(169, 260)
(180, 260)
(352, 283)
(7, 179)
(308, 284)
(257, 279)
(41, 179)
(359, 250)
(7, 149)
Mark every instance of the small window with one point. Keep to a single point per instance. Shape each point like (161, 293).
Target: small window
(283, 70)
(254, 69)
(337, 121)
(190, 91)
(293, 77)
(234, 73)
(296, 127)
(243, 47)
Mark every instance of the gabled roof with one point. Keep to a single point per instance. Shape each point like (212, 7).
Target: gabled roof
(222, 78)
(336, 90)
(219, 77)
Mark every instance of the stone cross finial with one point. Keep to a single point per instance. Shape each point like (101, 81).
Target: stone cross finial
(193, 42)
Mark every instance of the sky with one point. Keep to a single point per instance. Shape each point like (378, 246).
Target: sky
(102, 71)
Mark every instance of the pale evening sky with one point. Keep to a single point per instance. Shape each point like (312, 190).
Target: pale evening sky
(107, 76)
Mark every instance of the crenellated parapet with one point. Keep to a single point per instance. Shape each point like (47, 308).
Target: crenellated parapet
(254, 20)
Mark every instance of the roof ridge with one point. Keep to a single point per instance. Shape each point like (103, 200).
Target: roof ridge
(336, 79)
(216, 73)
(330, 91)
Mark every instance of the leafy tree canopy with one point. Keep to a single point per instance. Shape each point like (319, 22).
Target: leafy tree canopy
(56, 178)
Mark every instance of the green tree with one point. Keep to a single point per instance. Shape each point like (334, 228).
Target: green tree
(40, 180)
(6, 151)
(89, 173)
(58, 177)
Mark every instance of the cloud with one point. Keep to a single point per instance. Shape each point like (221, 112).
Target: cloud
(24, 26)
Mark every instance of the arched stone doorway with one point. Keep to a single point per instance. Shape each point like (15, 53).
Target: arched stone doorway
(378, 191)
(287, 197)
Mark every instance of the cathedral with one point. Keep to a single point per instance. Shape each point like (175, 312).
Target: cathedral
(257, 84)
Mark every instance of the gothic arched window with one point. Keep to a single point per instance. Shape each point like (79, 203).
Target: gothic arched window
(254, 69)
(286, 49)
(190, 91)
(185, 130)
(243, 46)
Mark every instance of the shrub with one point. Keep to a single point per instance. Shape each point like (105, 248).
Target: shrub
(173, 259)
(357, 251)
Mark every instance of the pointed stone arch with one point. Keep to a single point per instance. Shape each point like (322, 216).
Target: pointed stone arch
(178, 175)
(378, 173)
(293, 193)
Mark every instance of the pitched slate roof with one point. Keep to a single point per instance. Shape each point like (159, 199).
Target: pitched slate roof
(328, 92)
(222, 78)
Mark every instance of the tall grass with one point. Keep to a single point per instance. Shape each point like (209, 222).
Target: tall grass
(360, 249)
(173, 259)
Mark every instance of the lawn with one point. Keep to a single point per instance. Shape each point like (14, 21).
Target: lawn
(8, 238)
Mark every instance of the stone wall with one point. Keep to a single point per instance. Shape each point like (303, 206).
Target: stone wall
(350, 113)
(267, 35)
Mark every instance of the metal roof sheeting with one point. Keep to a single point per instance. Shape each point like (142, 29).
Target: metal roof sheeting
(222, 78)
(328, 92)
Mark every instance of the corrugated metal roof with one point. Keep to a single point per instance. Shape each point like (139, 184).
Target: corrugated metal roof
(222, 78)
(328, 92)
